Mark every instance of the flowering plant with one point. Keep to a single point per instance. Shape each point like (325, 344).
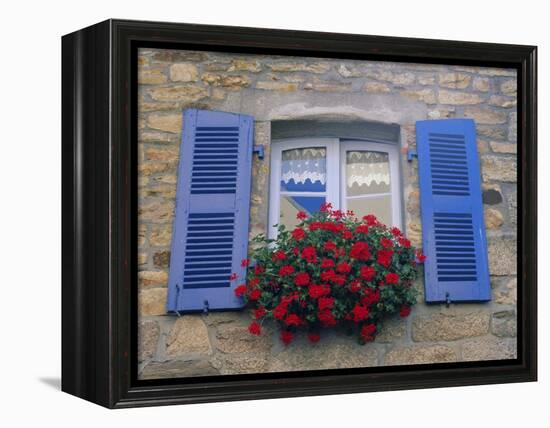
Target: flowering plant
(331, 270)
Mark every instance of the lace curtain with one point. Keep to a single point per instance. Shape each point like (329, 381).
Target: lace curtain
(367, 168)
(304, 169)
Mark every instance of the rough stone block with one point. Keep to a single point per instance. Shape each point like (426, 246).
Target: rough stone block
(327, 354)
(184, 73)
(507, 294)
(489, 348)
(148, 337)
(420, 355)
(152, 301)
(493, 219)
(152, 279)
(160, 235)
(502, 256)
(165, 122)
(443, 327)
(499, 168)
(485, 115)
(181, 93)
(151, 77)
(189, 335)
(277, 86)
(237, 339)
(454, 80)
(173, 369)
(425, 95)
(458, 98)
(376, 87)
(504, 324)
(156, 212)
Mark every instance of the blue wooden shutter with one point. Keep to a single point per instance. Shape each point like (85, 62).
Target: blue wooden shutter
(453, 230)
(210, 232)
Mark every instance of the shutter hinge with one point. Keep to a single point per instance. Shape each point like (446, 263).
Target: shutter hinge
(447, 299)
(260, 150)
(411, 153)
(205, 308)
(178, 288)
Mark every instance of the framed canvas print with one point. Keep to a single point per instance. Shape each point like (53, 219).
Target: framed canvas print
(253, 213)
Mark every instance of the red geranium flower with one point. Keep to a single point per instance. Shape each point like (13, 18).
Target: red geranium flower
(240, 290)
(325, 207)
(343, 267)
(337, 214)
(286, 336)
(327, 275)
(330, 246)
(327, 263)
(258, 269)
(347, 234)
(259, 313)
(298, 234)
(392, 278)
(386, 243)
(255, 294)
(367, 332)
(314, 225)
(367, 273)
(405, 242)
(355, 286)
(360, 251)
(384, 257)
(338, 279)
(289, 298)
(327, 318)
(254, 328)
(325, 303)
(253, 282)
(286, 270)
(395, 231)
(309, 254)
(280, 311)
(279, 255)
(301, 279)
(362, 228)
(316, 291)
(293, 319)
(245, 262)
(359, 313)
(233, 277)
(420, 257)
(371, 297)
(370, 219)
(301, 215)
(314, 337)
(404, 311)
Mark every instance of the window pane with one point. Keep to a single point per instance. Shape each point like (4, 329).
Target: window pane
(380, 206)
(304, 170)
(367, 173)
(290, 205)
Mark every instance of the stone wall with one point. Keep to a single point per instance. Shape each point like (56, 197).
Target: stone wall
(281, 88)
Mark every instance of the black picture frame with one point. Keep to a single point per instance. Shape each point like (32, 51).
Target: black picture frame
(99, 227)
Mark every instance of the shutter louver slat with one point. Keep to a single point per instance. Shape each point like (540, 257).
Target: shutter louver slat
(210, 236)
(453, 231)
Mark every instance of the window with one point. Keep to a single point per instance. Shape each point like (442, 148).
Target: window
(357, 175)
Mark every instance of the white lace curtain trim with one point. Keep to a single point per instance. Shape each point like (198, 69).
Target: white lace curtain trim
(361, 174)
(302, 170)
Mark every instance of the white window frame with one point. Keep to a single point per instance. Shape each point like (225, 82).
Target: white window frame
(335, 180)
